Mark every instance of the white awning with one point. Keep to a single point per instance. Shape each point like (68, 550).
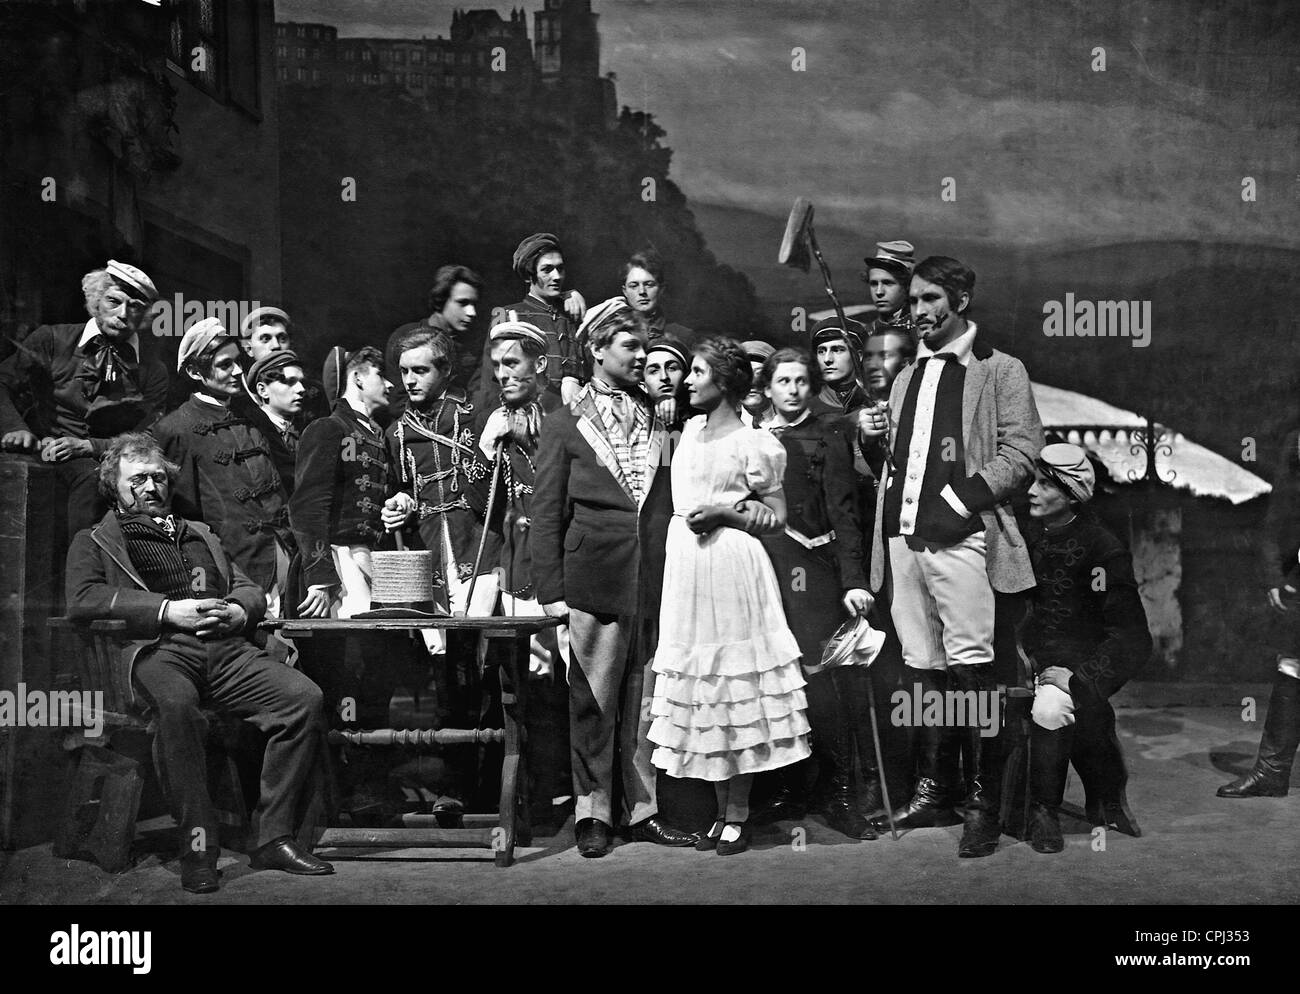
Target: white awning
(1116, 438)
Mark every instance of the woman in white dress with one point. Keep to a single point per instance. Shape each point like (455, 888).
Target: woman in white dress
(728, 698)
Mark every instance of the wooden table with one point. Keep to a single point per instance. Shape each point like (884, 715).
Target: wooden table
(511, 821)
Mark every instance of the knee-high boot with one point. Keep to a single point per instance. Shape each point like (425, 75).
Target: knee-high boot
(1271, 774)
(789, 802)
(832, 742)
(1047, 771)
(936, 764)
(983, 816)
(852, 684)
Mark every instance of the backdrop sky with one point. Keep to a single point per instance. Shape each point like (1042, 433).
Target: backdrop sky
(1001, 96)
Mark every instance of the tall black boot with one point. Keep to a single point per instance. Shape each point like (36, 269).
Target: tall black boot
(1100, 761)
(851, 682)
(832, 743)
(1047, 771)
(936, 764)
(789, 802)
(1271, 774)
(984, 767)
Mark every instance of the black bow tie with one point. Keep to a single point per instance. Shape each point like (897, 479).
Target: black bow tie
(941, 357)
(112, 360)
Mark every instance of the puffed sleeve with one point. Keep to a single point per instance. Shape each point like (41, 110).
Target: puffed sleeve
(764, 463)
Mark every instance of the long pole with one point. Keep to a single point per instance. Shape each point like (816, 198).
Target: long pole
(880, 759)
(844, 327)
(487, 515)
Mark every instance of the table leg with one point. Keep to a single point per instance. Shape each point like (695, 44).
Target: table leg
(513, 815)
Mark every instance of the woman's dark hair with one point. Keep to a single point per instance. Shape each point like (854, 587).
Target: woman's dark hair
(729, 366)
(445, 279)
(785, 355)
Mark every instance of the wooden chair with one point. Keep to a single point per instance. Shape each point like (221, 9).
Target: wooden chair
(102, 805)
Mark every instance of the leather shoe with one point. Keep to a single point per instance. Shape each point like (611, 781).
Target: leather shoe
(980, 837)
(737, 845)
(593, 837)
(200, 878)
(659, 832)
(288, 854)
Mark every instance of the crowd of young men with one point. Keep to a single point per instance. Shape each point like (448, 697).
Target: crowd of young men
(269, 491)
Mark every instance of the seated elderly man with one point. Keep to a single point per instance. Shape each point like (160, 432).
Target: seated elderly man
(190, 610)
(71, 387)
(1087, 634)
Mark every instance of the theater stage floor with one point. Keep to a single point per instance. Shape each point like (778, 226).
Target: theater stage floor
(1181, 741)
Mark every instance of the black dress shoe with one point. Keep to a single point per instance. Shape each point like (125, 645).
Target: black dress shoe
(659, 832)
(787, 804)
(709, 840)
(737, 845)
(1261, 781)
(287, 854)
(592, 836)
(200, 877)
(980, 837)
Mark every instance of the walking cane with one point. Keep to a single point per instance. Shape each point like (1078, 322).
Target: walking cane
(880, 759)
(491, 501)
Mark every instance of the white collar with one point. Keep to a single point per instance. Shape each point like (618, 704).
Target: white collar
(280, 422)
(960, 346)
(203, 398)
(775, 422)
(92, 329)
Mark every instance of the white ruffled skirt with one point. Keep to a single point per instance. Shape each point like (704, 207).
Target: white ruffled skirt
(728, 695)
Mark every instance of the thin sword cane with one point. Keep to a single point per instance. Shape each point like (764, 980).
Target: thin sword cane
(880, 759)
(491, 502)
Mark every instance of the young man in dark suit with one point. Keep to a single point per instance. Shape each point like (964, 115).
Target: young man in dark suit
(227, 479)
(189, 610)
(600, 517)
(279, 384)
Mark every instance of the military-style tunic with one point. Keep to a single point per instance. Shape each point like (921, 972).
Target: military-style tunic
(437, 460)
(1088, 615)
(228, 482)
(820, 554)
(343, 479)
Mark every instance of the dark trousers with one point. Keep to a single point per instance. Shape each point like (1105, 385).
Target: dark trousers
(1095, 751)
(80, 477)
(233, 675)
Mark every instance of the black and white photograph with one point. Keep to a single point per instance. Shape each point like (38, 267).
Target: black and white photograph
(520, 454)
